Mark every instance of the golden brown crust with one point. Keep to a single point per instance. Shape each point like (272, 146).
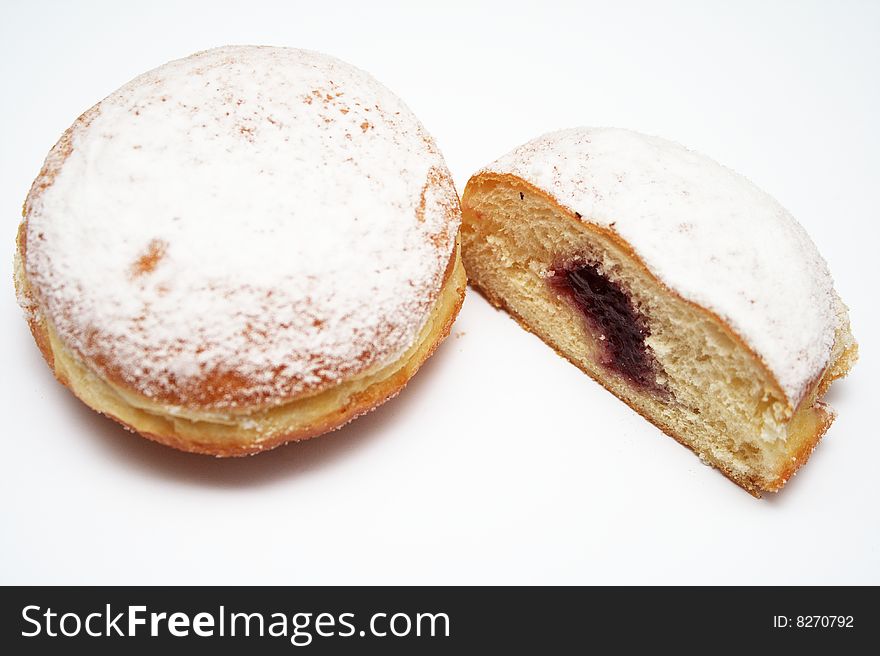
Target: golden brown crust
(357, 405)
(799, 457)
(360, 402)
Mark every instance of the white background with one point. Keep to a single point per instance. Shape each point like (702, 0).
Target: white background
(500, 463)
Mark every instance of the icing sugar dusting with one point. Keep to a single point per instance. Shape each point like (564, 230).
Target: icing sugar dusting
(704, 230)
(243, 225)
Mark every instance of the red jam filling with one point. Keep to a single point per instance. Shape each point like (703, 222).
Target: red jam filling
(613, 319)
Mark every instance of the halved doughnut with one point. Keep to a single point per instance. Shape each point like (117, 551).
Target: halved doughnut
(672, 281)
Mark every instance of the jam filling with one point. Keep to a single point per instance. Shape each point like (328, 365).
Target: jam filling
(613, 319)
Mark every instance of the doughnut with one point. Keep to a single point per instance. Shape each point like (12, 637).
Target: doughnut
(244, 247)
(674, 282)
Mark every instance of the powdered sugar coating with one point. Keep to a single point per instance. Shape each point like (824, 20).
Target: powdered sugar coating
(707, 232)
(241, 227)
